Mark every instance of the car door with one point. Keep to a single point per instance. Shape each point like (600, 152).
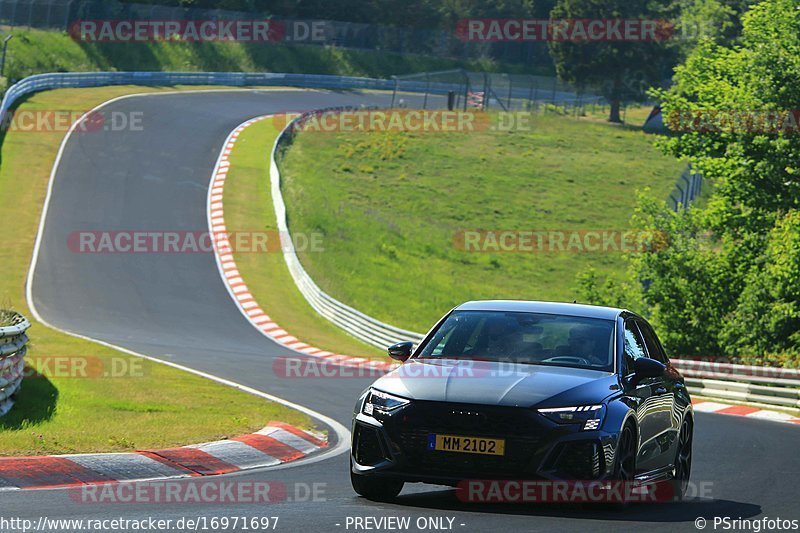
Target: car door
(643, 393)
(667, 417)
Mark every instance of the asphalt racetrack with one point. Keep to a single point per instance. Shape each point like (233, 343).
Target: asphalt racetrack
(175, 307)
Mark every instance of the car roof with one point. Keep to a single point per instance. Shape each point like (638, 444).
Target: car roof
(552, 308)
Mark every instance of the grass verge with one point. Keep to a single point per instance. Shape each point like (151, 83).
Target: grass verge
(248, 208)
(391, 203)
(151, 405)
(35, 51)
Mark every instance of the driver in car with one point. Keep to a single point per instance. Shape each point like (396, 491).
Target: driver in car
(586, 343)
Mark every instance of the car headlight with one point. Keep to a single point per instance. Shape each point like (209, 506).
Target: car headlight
(589, 416)
(382, 402)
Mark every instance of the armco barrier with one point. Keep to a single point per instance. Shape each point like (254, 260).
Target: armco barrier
(13, 344)
(736, 382)
(62, 80)
(352, 321)
(755, 384)
(770, 386)
(357, 323)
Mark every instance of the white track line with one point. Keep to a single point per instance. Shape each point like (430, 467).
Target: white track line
(342, 433)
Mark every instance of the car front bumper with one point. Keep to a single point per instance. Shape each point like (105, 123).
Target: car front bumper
(396, 445)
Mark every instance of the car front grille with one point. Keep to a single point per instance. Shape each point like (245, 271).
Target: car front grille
(368, 449)
(579, 460)
(519, 428)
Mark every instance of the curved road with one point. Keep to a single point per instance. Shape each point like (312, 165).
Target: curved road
(176, 308)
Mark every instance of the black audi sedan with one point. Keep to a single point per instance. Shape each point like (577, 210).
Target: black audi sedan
(511, 390)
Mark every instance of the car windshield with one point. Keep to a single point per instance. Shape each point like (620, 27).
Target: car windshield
(529, 338)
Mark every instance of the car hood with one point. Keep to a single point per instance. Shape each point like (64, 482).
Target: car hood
(493, 383)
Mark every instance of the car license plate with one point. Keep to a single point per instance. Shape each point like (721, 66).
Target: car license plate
(456, 443)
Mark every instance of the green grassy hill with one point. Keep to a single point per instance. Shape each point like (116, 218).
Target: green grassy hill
(390, 205)
(36, 51)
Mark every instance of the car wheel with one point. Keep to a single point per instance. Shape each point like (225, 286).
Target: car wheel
(625, 466)
(683, 461)
(375, 488)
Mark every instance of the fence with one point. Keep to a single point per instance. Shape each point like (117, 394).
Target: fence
(734, 382)
(521, 92)
(688, 188)
(60, 14)
(507, 92)
(13, 345)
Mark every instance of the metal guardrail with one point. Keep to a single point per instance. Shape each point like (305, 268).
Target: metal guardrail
(745, 383)
(764, 385)
(688, 187)
(354, 322)
(13, 345)
(734, 382)
(61, 80)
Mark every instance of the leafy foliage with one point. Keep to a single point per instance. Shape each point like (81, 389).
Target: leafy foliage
(729, 283)
(618, 69)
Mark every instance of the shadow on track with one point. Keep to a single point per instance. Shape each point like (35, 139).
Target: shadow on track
(686, 511)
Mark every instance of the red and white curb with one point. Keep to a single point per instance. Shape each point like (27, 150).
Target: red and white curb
(275, 444)
(710, 406)
(262, 322)
(236, 285)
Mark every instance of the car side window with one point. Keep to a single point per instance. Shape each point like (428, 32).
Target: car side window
(633, 347)
(654, 348)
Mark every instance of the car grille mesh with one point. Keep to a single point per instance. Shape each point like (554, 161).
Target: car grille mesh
(516, 426)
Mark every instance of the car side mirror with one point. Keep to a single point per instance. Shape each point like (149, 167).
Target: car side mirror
(401, 351)
(644, 367)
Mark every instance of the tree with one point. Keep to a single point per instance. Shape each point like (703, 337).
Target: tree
(618, 69)
(718, 20)
(730, 281)
(767, 315)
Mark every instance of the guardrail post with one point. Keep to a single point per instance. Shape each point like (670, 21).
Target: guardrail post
(683, 196)
(485, 103)
(66, 14)
(688, 189)
(466, 87)
(427, 88)
(394, 91)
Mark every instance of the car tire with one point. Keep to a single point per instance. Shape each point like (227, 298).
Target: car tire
(375, 488)
(625, 463)
(683, 461)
